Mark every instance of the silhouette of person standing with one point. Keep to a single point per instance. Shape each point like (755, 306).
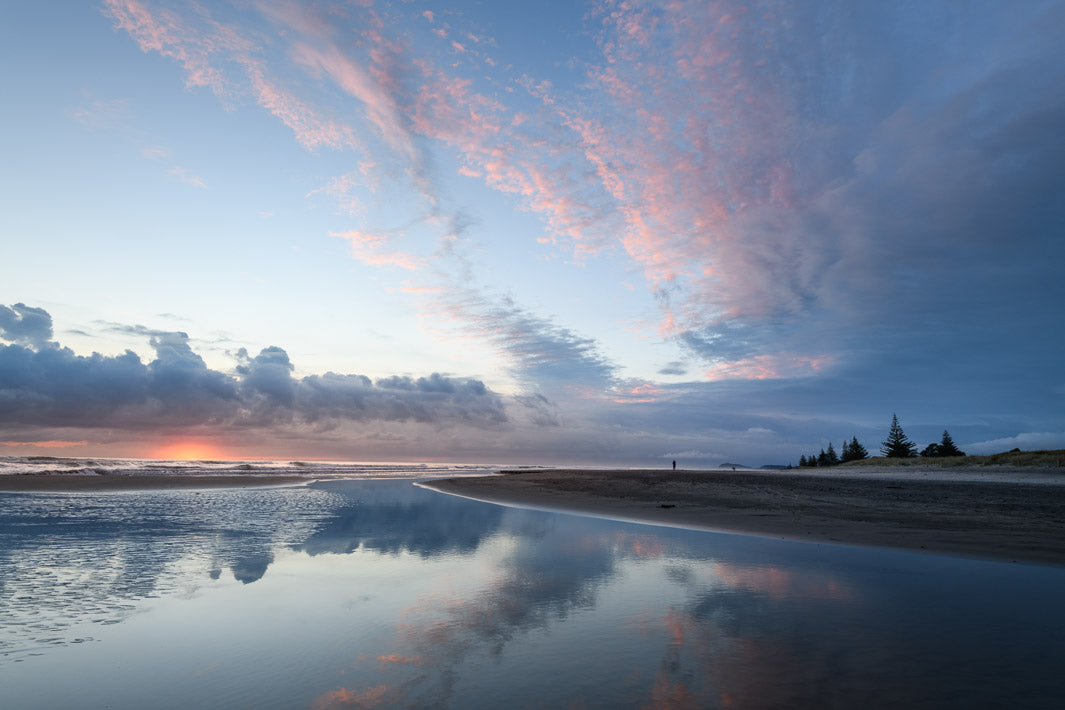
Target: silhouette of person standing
(674, 465)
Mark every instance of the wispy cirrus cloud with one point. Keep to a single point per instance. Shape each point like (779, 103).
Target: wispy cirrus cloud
(118, 116)
(310, 128)
(782, 195)
(187, 176)
(371, 249)
(539, 353)
(100, 114)
(405, 98)
(167, 33)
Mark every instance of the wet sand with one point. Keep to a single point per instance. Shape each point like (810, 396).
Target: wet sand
(1009, 514)
(106, 482)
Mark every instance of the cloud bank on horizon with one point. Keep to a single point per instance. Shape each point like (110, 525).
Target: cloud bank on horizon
(636, 231)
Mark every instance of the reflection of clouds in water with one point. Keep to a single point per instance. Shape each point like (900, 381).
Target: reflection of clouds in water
(706, 663)
(71, 559)
(551, 567)
(517, 607)
(714, 648)
(394, 516)
(757, 636)
(344, 698)
(251, 568)
(740, 620)
(779, 584)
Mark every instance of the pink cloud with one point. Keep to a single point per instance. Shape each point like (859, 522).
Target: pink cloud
(640, 393)
(199, 48)
(51, 444)
(671, 154)
(342, 189)
(311, 130)
(165, 33)
(380, 108)
(370, 249)
(769, 367)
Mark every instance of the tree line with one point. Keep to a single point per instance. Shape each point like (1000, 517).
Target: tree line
(896, 445)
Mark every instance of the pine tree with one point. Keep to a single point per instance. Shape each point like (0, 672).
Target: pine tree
(822, 458)
(947, 447)
(802, 461)
(897, 444)
(831, 456)
(854, 451)
(931, 451)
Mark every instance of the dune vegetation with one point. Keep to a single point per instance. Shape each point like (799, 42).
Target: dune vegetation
(1054, 458)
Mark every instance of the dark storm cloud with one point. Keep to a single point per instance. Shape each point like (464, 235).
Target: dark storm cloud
(49, 385)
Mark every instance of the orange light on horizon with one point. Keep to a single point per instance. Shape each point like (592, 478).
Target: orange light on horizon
(188, 451)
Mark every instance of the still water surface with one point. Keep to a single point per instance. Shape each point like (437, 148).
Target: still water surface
(376, 593)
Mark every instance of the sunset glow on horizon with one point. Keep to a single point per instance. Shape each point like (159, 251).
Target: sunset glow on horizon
(189, 451)
(594, 232)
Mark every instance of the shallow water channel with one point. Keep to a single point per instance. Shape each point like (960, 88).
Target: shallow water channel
(377, 593)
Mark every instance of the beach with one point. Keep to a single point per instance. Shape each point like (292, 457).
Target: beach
(1015, 514)
(1007, 513)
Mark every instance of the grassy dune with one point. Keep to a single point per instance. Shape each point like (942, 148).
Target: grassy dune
(1035, 459)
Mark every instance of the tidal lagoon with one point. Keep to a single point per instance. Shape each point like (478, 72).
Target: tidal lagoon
(380, 593)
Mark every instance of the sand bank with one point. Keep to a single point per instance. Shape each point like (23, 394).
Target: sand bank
(1002, 514)
(60, 482)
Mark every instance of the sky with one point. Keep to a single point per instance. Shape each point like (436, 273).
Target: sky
(600, 233)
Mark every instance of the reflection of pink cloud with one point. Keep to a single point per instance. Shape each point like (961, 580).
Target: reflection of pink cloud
(781, 584)
(400, 659)
(342, 697)
(644, 547)
(672, 694)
